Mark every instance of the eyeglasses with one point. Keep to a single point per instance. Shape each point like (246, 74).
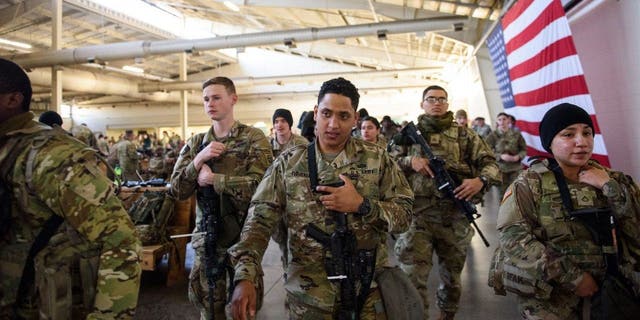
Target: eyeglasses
(433, 100)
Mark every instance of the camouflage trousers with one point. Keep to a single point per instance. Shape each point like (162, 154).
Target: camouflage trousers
(562, 304)
(450, 241)
(199, 292)
(507, 179)
(373, 309)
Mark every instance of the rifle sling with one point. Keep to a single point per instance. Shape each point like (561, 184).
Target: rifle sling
(313, 178)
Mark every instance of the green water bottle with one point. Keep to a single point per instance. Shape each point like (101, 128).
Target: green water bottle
(118, 172)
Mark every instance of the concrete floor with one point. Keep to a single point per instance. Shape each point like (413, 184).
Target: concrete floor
(477, 302)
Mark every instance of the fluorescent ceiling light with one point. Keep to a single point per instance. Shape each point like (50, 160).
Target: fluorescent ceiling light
(15, 43)
(232, 6)
(133, 69)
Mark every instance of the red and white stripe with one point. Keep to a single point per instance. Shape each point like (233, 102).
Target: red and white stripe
(544, 69)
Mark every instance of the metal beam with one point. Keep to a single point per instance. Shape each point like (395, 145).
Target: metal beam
(10, 13)
(291, 78)
(128, 50)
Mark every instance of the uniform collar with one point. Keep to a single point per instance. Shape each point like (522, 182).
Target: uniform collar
(18, 124)
(233, 132)
(347, 156)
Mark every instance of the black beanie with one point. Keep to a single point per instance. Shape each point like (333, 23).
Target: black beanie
(50, 118)
(558, 118)
(286, 114)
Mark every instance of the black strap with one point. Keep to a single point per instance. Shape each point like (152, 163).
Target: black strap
(49, 228)
(562, 184)
(313, 167)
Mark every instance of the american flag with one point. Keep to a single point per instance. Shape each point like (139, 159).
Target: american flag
(537, 67)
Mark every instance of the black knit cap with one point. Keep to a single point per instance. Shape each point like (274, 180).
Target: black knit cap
(558, 118)
(50, 118)
(286, 114)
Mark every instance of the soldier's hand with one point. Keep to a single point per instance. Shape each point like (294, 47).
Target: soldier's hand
(243, 301)
(468, 188)
(510, 158)
(214, 149)
(421, 165)
(342, 199)
(205, 176)
(587, 286)
(593, 176)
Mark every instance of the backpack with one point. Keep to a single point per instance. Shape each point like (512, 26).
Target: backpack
(151, 213)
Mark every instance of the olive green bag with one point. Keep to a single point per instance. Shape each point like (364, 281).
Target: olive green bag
(151, 213)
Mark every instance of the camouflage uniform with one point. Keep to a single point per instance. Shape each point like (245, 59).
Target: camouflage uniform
(285, 193)
(103, 147)
(483, 131)
(55, 174)
(538, 237)
(280, 232)
(84, 134)
(237, 173)
(126, 155)
(437, 224)
(510, 142)
(295, 140)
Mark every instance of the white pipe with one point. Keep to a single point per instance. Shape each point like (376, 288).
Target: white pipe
(89, 82)
(137, 49)
(293, 78)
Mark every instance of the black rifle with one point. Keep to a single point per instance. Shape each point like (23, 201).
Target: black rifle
(346, 264)
(444, 181)
(208, 201)
(601, 226)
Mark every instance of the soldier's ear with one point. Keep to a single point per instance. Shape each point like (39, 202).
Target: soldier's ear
(13, 100)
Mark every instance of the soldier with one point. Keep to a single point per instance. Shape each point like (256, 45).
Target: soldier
(370, 130)
(283, 138)
(84, 134)
(461, 118)
(481, 128)
(375, 196)
(509, 147)
(388, 128)
(68, 249)
(437, 224)
(231, 158)
(125, 154)
(544, 242)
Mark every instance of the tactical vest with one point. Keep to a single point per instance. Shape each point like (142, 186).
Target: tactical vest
(66, 268)
(552, 226)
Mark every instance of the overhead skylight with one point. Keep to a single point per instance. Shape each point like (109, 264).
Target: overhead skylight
(167, 18)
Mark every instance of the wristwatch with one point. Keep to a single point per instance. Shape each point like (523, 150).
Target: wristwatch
(485, 182)
(364, 208)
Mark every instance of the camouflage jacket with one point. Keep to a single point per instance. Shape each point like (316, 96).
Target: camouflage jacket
(295, 140)
(510, 142)
(466, 156)
(58, 175)
(482, 131)
(85, 135)
(237, 172)
(538, 236)
(125, 154)
(285, 193)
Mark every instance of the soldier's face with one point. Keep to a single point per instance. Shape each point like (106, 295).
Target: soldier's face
(281, 126)
(503, 122)
(436, 108)
(572, 147)
(369, 131)
(334, 117)
(218, 103)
